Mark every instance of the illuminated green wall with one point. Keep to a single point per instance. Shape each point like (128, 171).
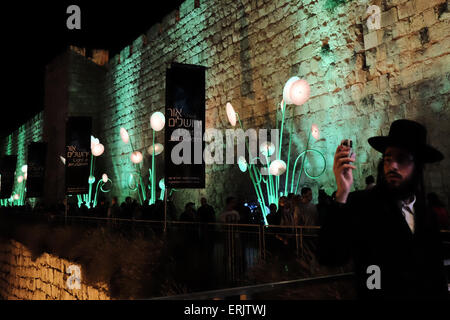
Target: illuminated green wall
(361, 80)
(17, 144)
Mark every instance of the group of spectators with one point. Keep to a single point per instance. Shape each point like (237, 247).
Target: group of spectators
(291, 210)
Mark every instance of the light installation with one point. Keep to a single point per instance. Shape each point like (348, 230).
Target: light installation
(267, 187)
(100, 184)
(157, 123)
(97, 149)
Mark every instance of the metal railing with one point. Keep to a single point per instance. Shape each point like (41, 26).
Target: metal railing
(246, 292)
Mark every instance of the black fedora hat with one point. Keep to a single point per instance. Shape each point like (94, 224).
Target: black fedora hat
(410, 135)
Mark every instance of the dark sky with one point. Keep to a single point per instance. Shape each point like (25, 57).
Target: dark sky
(35, 32)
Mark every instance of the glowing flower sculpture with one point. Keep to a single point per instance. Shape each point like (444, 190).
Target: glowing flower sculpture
(97, 149)
(266, 179)
(157, 123)
(100, 185)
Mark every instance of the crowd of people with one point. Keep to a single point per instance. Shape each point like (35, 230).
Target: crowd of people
(291, 210)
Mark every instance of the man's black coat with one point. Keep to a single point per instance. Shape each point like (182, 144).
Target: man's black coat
(371, 229)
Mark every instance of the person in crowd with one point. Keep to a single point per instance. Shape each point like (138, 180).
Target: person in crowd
(370, 182)
(189, 214)
(439, 210)
(114, 209)
(205, 212)
(230, 215)
(273, 218)
(388, 232)
(308, 215)
(245, 214)
(126, 208)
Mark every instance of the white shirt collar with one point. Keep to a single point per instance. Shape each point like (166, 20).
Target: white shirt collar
(409, 203)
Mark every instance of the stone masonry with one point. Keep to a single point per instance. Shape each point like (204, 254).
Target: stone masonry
(361, 80)
(22, 278)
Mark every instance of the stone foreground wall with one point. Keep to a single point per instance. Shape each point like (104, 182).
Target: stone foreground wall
(23, 278)
(361, 80)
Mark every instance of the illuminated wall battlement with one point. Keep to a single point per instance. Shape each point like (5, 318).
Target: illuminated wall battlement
(361, 80)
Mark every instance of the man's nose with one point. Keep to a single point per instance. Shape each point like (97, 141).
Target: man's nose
(393, 165)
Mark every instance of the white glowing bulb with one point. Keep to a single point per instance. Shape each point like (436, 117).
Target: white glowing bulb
(16, 197)
(98, 150)
(91, 179)
(277, 167)
(299, 92)
(157, 147)
(231, 114)
(161, 184)
(287, 90)
(136, 157)
(94, 141)
(25, 176)
(157, 121)
(315, 131)
(105, 178)
(63, 160)
(24, 168)
(20, 179)
(242, 163)
(124, 135)
(267, 148)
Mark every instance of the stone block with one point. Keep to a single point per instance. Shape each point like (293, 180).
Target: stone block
(422, 5)
(389, 17)
(373, 39)
(406, 9)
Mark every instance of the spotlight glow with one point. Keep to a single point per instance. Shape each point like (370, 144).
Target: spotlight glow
(105, 178)
(158, 148)
(98, 149)
(157, 121)
(24, 168)
(242, 163)
(299, 92)
(315, 131)
(267, 148)
(20, 179)
(287, 90)
(124, 135)
(277, 167)
(231, 114)
(136, 157)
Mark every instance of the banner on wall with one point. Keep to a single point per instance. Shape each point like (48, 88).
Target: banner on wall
(185, 126)
(7, 174)
(78, 154)
(37, 153)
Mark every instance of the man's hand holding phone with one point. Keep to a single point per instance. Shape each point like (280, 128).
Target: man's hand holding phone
(343, 168)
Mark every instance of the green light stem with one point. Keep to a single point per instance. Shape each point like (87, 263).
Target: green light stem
(96, 192)
(287, 166)
(303, 162)
(153, 191)
(253, 175)
(283, 114)
(91, 171)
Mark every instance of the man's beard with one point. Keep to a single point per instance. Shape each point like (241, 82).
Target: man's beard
(403, 190)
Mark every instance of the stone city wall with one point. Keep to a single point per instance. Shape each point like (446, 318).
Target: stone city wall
(44, 278)
(361, 80)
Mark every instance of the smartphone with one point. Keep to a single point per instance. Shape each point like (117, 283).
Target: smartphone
(348, 143)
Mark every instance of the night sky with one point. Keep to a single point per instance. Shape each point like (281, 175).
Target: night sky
(34, 33)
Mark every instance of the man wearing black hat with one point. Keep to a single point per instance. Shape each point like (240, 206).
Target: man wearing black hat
(388, 231)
